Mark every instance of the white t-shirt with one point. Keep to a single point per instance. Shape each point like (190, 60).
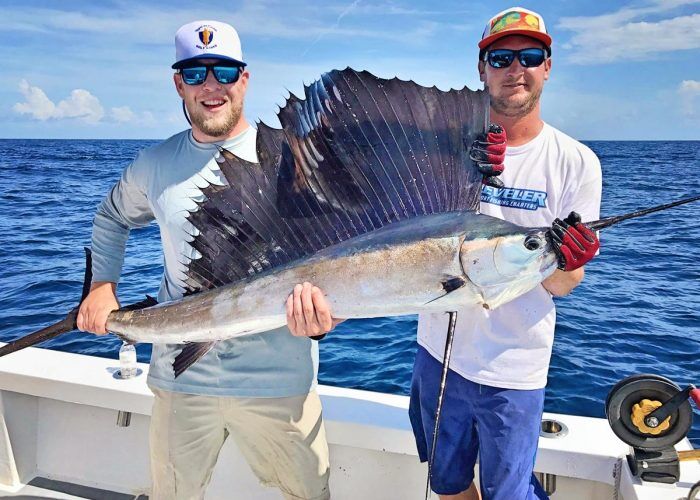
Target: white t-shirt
(510, 346)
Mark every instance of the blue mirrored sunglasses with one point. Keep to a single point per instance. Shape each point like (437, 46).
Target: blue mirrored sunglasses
(528, 58)
(196, 75)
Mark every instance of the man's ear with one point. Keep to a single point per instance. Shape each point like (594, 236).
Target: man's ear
(177, 80)
(481, 67)
(243, 81)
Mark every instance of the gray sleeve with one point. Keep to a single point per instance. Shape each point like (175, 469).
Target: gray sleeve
(125, 207)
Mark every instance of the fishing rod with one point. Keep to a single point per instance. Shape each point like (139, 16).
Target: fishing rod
(443, 383)
(609, 221)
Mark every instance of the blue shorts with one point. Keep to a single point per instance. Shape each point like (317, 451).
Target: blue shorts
(501, 425)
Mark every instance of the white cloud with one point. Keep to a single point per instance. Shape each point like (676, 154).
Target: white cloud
(631, 34)
(689, 91)
(148, 119)
(36, 104)
(81, 104)
(123, 114)
(689, 87)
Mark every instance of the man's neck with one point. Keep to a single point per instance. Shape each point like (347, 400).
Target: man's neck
(519, 129)
(200, 136)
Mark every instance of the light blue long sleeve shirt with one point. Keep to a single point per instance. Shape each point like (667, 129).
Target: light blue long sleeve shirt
(162, 184)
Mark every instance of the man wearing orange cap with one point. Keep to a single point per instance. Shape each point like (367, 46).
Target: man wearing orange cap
(500, 358)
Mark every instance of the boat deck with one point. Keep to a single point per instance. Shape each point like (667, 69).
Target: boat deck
(41, 488)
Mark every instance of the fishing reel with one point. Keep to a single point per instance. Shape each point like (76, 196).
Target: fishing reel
(652, 414)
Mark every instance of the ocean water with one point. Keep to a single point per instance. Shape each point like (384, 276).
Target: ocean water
(637, 311)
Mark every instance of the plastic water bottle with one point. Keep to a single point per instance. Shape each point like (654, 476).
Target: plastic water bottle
(127, 360)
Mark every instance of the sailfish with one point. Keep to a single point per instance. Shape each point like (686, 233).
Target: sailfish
(367, 191)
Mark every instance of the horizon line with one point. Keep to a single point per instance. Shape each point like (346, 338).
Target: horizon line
(163, 139)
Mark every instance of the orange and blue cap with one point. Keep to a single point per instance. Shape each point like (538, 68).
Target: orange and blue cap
(515, 21)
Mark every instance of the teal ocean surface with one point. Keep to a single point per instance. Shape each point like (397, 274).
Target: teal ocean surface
(637, 311)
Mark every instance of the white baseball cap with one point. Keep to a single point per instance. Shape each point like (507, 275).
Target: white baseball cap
(207, 40)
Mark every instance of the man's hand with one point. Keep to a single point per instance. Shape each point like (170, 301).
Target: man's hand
(102, 300)
(489, 153)
(308, 312)
(574, 243)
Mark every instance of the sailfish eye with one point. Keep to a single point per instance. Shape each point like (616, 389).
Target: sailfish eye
(533, 242)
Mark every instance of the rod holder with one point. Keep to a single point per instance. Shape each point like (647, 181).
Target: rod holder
(553, 429)
(123, 418)
(548, 482)
(550, 429)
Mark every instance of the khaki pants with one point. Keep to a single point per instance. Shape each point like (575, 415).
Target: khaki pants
(282, 439)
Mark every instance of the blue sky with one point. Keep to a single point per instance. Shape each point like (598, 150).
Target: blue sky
(85, 69)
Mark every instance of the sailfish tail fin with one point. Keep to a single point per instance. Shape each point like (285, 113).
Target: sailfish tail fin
(67, 324)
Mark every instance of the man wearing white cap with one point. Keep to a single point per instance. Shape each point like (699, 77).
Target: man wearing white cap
(260, 389)
(500, 358)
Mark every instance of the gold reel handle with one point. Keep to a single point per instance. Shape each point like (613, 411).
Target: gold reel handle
(688, 455)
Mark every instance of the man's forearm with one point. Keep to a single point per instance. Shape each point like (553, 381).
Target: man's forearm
(561, 283)
(109, 236)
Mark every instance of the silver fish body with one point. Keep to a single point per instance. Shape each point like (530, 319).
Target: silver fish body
(437, 262)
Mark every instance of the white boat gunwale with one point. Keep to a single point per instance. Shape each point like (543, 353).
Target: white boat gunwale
(53, 403)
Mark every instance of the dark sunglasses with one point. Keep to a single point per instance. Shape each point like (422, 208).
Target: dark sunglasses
(196, 75)
(528, 58)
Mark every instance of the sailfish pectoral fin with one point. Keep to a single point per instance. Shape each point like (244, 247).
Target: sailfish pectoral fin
(449, 285)
(189, 355)
(453, 283)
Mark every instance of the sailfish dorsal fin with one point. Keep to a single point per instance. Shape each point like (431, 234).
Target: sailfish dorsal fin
(356, 154)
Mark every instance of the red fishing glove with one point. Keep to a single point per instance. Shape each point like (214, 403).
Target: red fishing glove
(574, 243)
(489, 152)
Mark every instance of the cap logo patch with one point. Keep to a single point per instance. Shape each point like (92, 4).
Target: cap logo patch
(515, 20)
(206, 36)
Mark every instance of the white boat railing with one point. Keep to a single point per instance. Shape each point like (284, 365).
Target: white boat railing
(58, 420)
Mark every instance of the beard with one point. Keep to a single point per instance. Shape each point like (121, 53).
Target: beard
(506, 106)
(219, 125)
